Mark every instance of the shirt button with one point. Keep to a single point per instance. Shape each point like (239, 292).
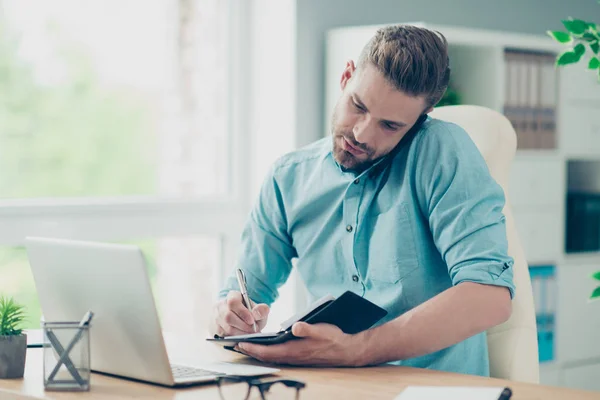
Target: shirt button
(357, 181)
(355, 278)
(349, 228)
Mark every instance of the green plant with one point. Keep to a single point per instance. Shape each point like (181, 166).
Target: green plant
(12, 316)
(596, 292)
(450, 98)
(580, 35)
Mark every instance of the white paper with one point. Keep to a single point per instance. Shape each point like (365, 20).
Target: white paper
(252, 335)
(450, 393)
(287, 323)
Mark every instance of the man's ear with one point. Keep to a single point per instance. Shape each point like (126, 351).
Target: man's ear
(428, 111)
(347, 74)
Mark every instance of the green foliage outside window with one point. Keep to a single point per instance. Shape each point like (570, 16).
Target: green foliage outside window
(73, 137)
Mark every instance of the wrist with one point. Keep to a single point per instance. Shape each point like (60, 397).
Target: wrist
(360, 350)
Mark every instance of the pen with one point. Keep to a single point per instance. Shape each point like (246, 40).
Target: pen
(241, 278)
(506, 394)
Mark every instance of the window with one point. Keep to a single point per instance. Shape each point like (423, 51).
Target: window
(112, 98)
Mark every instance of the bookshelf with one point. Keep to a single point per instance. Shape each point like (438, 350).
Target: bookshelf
(541, 179)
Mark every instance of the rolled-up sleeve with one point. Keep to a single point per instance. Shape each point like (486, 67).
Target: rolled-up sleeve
(266, 248)
(463, 204)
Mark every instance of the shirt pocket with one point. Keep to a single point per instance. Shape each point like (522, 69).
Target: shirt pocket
(392, 250)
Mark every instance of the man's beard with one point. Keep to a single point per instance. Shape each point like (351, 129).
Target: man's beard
(346, 159)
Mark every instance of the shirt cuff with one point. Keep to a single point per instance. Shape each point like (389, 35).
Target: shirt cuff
(494, 274)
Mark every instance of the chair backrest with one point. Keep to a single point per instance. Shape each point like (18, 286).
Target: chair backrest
(512, 345)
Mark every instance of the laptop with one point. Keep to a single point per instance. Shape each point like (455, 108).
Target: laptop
(126, 339)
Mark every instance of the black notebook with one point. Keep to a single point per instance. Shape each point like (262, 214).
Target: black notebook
(349, 312)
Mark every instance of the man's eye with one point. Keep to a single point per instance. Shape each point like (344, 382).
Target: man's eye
(390, 127)
(357, 106)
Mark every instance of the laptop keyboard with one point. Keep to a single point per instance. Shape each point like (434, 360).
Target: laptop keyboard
(180, 371)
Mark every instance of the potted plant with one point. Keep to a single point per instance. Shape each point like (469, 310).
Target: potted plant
(13, 343)
(580, 35)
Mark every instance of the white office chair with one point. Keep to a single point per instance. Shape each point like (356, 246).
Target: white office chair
(513, 345)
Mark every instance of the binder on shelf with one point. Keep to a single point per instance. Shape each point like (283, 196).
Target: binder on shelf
(548, 104)
(511, 106)
(530, 98)
(511, 95)
(524, 103)
(534, 101)
(543, 282)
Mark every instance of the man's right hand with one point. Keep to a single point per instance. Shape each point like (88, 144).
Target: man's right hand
(231, 317)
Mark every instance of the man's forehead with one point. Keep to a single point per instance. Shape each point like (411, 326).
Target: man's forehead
(382, 99)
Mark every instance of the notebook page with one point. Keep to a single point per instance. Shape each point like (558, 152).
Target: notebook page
(451, 393)
(252, 335)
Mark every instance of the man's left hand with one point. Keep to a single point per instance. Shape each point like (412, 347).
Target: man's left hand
(321, 345)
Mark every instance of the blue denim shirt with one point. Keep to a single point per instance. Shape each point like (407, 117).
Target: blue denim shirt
(424, 218)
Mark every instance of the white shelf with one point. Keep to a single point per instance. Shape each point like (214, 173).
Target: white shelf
(550, 373)
(467, 36)
(541, 154)
(592, 257)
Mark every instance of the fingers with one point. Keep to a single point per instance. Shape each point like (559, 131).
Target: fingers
(228, 321)
(235, 304)
(233, 318)
(302, 329)
(317, 331)
(231, 324)
(229, 330)
(273, 354)
(260, 312)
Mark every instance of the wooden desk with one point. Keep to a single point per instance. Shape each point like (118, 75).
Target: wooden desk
(337, 383)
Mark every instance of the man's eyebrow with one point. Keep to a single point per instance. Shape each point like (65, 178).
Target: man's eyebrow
(359, 103)
(399, 124)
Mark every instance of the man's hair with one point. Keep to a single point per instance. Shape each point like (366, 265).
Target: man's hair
(414, 60)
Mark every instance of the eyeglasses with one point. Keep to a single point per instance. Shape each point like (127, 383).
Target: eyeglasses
(240, 388)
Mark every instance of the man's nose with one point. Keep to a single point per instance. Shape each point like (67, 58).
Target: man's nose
(364, 130)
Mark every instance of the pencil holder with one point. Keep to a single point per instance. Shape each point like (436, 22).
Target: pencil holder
(66, 356)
